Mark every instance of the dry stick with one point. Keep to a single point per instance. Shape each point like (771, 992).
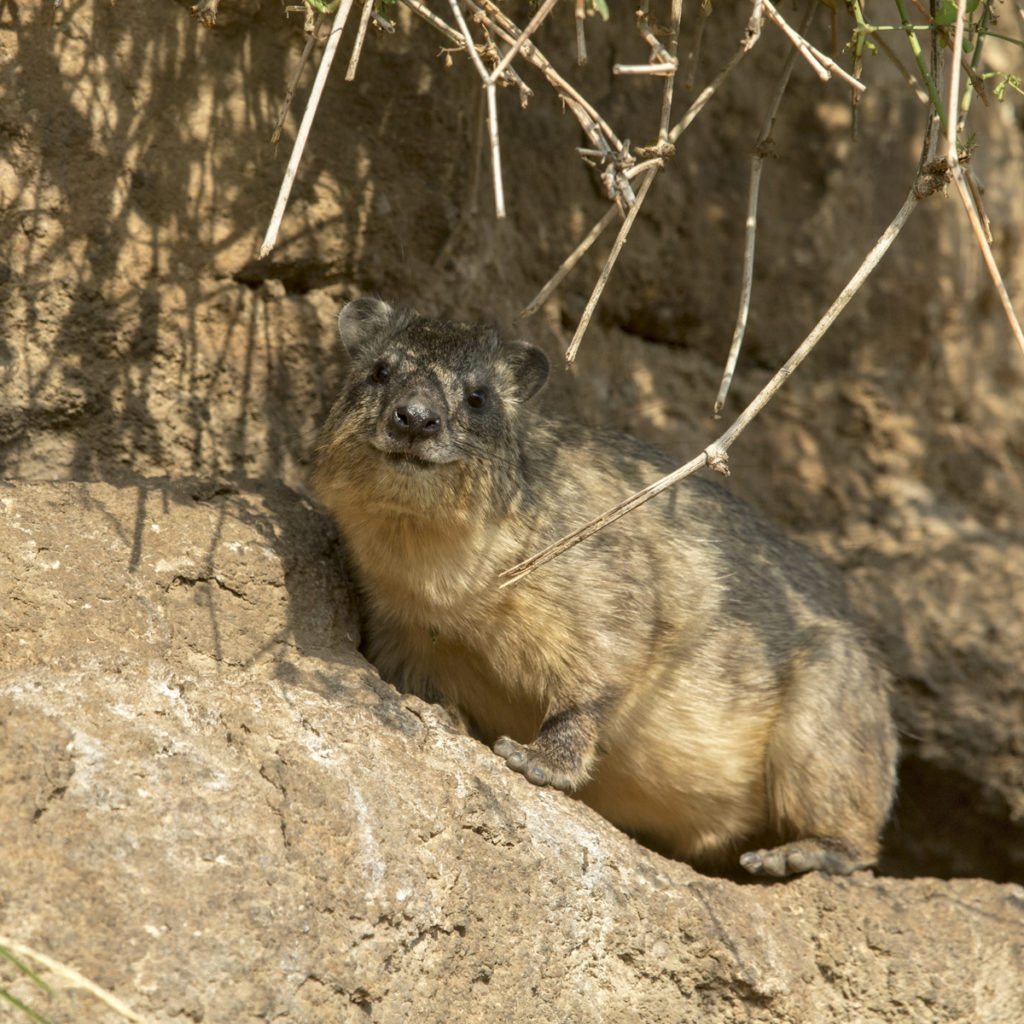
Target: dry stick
(658, 51)
(953, 160)
(976, 80)
(292, 85)
(635, 172)
(431, 18)
(821, 63)
(73, 978)
(709, 90)
(492, 110)
(715, 455)
(798, 41)
(643, 69)
(673, 55)
(307, 122)
(350, 74)
(569, 262)
(627, 224)
(693, 57)
(581, 35)
(534, 23)
(602, 279)
(509, 32)
(755, 21)
(756, 163)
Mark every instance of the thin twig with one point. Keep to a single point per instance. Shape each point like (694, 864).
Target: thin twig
(672, 55)
(976, 79)
(492, 128)
(643, 69)
(693, 57)
(432, 19)
(74, 979)
(716, 454)
(953, 160)
(634, 210)
(926, 77)
(756, 164)
(708, 91)
(293, 84)
(569, 262)
(534, 23)
(658, 51)
(467, 39)
(635, 172)
(581, 34)
(492, 110)
(364, 20)
(755, 22)
(307, 122)
(823, 65)
(494, 16)
(602, 279)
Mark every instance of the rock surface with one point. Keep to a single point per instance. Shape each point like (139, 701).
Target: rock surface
(213, 807)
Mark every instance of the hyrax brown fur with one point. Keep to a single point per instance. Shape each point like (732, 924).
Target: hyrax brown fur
(689, 672)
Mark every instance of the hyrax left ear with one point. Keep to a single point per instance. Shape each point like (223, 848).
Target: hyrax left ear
(529, 366)
(363, 320)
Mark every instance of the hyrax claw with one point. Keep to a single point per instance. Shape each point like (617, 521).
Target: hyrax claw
(531, 764)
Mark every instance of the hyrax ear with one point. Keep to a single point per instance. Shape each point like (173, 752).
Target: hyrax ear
(362, 320)
(529, 365)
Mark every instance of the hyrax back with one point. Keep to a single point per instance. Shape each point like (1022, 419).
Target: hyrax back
(688, 672)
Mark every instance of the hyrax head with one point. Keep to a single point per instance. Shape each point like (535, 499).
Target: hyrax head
(425, 394)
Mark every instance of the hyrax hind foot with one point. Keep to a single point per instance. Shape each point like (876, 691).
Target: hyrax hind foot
(532, 763)
(828, 855)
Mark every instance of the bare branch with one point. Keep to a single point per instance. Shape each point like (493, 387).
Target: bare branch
(953, 159)
(492, 110)
(569, 262)
(756, 163)
(270, 240)
(709, 90)
(542, 12)
(357, 49)
(606, 270)
(432, 19)
(716, 454)
(693, 57)
(581, 34)
(494, 16)
(292, 85)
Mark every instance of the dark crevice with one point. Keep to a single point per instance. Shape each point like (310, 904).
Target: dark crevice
(188, 581)
(298, 277)
(946, 825)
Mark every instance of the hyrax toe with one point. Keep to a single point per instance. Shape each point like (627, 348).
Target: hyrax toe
(531, 763)
(829, 855)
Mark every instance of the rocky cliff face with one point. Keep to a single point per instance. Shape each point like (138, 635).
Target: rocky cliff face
(210, 803)
(215, 808)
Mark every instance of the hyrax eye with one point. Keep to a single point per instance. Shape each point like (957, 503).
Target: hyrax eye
(380, 373)
(477, 398)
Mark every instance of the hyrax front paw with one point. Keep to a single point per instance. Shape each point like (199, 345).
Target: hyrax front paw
(829, 855)
(531, 763)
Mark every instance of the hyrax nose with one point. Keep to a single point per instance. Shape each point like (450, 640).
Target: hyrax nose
(415, 419)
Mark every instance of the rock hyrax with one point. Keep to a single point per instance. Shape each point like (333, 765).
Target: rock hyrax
(688, 672)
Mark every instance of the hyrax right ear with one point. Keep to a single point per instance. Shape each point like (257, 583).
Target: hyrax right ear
(362, 320)
(530, 367)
